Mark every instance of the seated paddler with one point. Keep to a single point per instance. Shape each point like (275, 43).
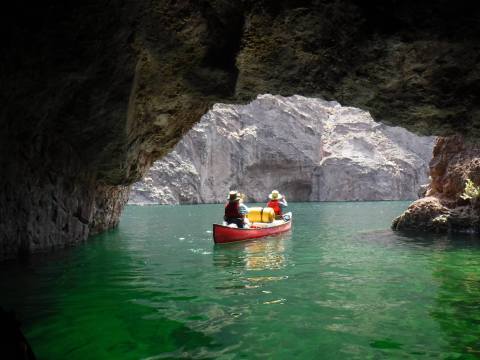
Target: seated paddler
(235, 210)
(278, 203)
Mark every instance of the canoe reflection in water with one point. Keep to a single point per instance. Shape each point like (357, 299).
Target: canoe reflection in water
(261, 254)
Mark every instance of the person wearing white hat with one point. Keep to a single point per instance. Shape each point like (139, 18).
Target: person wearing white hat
(235, 211)
(277, 202)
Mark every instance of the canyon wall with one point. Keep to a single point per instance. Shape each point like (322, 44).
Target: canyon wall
(93, 92)
(310, 149)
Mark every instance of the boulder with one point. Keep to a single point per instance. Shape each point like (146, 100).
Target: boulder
(444, 210)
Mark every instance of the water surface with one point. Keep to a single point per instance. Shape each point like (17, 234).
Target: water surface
(341, 285)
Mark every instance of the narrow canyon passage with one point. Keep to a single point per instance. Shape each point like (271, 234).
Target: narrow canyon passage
(93, 101)
(335, 103)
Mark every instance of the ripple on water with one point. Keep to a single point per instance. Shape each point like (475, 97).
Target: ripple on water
(340, 285)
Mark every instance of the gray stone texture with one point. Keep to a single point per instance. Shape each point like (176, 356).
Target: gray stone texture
(310, 149)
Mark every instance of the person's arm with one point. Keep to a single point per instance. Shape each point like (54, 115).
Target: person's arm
(243, 210)
(283, 202)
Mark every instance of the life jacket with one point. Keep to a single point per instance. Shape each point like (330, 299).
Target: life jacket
(232, 210)
(275, 205)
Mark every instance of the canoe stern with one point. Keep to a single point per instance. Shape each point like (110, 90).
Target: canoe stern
(224, 234)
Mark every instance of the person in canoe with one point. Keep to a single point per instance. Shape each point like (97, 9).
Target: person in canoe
(278, 203)
(235, 210)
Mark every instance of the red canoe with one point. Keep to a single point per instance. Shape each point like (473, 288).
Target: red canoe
(225, 234)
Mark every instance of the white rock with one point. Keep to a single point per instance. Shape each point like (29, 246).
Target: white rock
(309, 149)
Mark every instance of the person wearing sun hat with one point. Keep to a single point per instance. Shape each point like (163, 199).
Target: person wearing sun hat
(235, 211)
(277, 202)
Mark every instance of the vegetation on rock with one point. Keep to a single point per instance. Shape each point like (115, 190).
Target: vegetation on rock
(472, 192)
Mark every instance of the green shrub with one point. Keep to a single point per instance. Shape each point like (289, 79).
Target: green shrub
(471, 191)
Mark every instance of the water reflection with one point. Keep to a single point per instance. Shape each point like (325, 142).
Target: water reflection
(260, 254)
(455, 266)
(434, 242)
(457, 305)
(337, 285)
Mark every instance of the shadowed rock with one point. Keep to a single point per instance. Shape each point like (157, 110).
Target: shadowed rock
(443, 210)
(13, 345)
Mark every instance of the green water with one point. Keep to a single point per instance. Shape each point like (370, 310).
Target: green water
(341, 285)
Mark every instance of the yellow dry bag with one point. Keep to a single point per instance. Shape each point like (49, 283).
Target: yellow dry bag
(259, 214)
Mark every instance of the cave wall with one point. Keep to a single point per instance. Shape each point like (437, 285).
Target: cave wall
(94, 91)
(66, 80)
(414, 64)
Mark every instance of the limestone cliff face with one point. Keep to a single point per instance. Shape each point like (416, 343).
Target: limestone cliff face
(94, 91)
(310, 149)
(442, 210)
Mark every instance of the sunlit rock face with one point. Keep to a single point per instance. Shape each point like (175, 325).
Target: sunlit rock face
(309, 149)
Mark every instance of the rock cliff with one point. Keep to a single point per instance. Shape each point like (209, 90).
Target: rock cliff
(94, 91)
(310, 149)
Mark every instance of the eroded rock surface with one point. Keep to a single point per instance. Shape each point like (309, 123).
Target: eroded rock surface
(454, 161)
(310, 149)
(107, 87)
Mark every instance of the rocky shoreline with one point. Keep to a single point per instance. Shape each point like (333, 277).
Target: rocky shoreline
(443, 209)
